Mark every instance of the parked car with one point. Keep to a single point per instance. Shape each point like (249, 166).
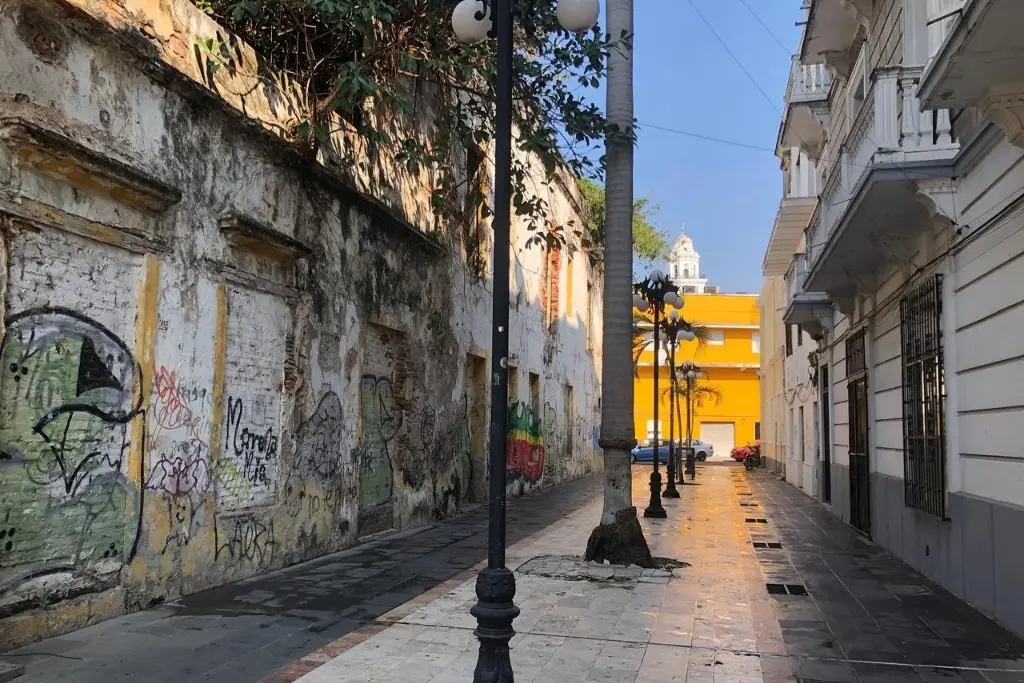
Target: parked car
(644, 451)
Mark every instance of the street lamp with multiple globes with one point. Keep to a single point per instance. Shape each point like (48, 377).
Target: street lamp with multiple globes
(674, 329)
(473, 21)
(654, 292)
(690, 374)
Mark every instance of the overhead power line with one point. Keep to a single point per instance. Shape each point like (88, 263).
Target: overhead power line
(765, 27)
(733, 143)
(736, 59)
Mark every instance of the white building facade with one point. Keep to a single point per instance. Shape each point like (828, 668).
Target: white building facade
(903, 225)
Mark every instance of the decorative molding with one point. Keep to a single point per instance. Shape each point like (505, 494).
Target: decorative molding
(861, 10)
(58, 156)
(1004, 105)
(938, 197)
(248, 234)
(43, 216)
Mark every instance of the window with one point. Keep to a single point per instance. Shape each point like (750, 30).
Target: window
(570, 419)
(535, 395)
(513, 384)
(924, 398)
(686, 272)
(755, 343)
(590, 317)
(716, 337)
(651, 434)
(799, 335)
(757, 431)
(570, 306)
(789, 340)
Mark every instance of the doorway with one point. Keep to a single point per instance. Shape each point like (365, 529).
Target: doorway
(826, 438)
(860, 469)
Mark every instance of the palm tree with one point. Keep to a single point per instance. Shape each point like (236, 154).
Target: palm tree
(693, 393)
(643, 336)
(618, 537)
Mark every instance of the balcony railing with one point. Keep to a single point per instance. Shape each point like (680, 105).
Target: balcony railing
(807, 82)
(795, 284)
(888, 127)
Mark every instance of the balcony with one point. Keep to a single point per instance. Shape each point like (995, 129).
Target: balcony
(810, 310)
(981, 64)
(877, 190)
(804, 121)
(833, 30)
(799, 197)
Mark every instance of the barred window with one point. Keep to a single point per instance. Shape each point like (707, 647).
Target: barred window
(924, 399)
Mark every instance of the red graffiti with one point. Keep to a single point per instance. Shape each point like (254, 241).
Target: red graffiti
(172, 409)
(525, 460)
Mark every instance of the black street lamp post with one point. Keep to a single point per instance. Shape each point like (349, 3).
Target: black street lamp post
(690, 373)
(473, 22)
(674, 328)
(654, 292)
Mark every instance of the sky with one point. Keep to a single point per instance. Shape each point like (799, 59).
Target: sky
(684, 79)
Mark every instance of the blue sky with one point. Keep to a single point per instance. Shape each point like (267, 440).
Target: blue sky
(685, 80)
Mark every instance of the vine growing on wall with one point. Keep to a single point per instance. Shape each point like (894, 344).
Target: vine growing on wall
(392, 71)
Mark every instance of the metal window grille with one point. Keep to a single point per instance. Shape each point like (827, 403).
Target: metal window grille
(924, 399)
(855, 356)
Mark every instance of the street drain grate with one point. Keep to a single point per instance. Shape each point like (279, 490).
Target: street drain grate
(748, 493)
(749, 505)
(786, 589)
(755, 520)
(769, 544)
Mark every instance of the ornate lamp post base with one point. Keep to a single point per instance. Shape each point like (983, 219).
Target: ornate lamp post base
(655, 509)
(494, 612)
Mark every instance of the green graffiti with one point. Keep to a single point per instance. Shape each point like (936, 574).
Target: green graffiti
(67, 404)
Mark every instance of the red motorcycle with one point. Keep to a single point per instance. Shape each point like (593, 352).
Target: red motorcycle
(749, 455)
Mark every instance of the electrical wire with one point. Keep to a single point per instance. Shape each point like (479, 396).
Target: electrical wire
(736, 59)
(709, 138)
(765, 27)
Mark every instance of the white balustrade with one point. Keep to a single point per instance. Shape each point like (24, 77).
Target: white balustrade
(807, 81)
(888, 127)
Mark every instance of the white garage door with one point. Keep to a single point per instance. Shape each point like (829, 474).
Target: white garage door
(722, 435)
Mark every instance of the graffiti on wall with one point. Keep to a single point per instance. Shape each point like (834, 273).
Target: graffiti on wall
(525, 445)
(256, 354)
(245, 539)
(68, 401)
(321, 476)
(179, 476)
(250, 452)
(382, 422)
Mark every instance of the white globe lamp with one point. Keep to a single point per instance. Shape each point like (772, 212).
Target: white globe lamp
(578, 16)
(673, 315)
(470, 29)
(690, 374)
(656, 276)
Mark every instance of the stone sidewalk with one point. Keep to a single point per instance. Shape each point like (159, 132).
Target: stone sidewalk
(776, 590)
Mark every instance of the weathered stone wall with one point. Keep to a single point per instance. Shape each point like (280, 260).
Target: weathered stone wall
(219, 356)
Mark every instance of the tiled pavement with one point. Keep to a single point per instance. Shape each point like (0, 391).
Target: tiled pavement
(865, 617)
(244, 632)
(839, 609)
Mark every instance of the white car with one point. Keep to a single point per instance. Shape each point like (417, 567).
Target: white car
(644, 451)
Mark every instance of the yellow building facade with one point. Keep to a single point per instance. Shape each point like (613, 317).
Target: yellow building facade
(729, 360)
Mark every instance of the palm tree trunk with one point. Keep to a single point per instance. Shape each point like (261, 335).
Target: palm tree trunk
(619, 537)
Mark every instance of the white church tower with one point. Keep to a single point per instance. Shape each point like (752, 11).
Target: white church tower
(684, 267)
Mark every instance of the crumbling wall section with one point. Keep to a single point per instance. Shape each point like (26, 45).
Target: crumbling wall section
(220, 357)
